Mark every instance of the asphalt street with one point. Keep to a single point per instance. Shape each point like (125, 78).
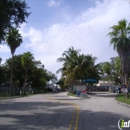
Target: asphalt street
(57, 111)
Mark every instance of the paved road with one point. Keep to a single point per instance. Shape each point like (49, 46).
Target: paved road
(59, 112)
(101, 112)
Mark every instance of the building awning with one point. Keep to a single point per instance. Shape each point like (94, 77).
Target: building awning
(90, 80)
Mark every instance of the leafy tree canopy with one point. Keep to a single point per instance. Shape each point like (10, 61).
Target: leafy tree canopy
(12, 14)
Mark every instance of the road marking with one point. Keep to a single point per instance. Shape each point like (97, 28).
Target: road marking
(71, 122)
(77, 118)
(75, 113)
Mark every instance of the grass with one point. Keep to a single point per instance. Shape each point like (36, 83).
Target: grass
(71, 94)
(120, 98)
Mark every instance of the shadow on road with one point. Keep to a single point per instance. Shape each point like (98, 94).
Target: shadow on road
(99, 120)
(53, 116)
(35, 116)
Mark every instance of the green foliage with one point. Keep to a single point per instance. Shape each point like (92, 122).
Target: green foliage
(77, 66)
(61, 82)
(27, 61)
(13, 39)
(107, 68)
(4, 74)
(120, 39)
(17, 69)
(120, 35)
(37, 76)
(51, 77)
(110, 71)
(12, 14)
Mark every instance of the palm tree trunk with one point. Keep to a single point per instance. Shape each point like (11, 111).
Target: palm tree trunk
(122, 78)
(11, 76)
(25, 80)
(71, 87)
(125, 79)
(126, 82)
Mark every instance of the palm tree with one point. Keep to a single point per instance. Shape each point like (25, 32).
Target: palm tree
(120, 39)
(27, 61)
(107, 68)
(13, 40)
(69, 61)
(85, 67)
(76, 66)
(118, 69)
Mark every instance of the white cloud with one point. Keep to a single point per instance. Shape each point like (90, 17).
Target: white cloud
(4, 48)
(86, 32)
(53, 3)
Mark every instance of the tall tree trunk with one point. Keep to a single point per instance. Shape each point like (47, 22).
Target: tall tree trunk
(11, 76)
(71, 87)
(126, 78)
(25, 82)
(122, 78)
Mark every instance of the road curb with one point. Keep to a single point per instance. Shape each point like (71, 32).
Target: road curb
(10, 98)
(15, 97)
(124, 104)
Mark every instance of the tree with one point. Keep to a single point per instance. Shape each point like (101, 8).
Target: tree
(77, 67)
(13, 39)
(3, 71)
(69, 62)
(12, 14)
(27, 61)
(107, 71)
(111, 71)
(107, 68)
(38, 78)
(51, 77)
(115, 70)
(18, 70)
(36, 75)
(85, 67)
(61, 83)
(118, 72)
(120, 39)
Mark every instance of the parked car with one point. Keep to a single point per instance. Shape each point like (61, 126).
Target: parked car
(56, 90)
(116, 89)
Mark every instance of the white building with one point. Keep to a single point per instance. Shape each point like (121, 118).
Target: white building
(105, 83)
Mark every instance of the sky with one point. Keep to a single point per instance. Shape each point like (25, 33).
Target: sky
(55, 25)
